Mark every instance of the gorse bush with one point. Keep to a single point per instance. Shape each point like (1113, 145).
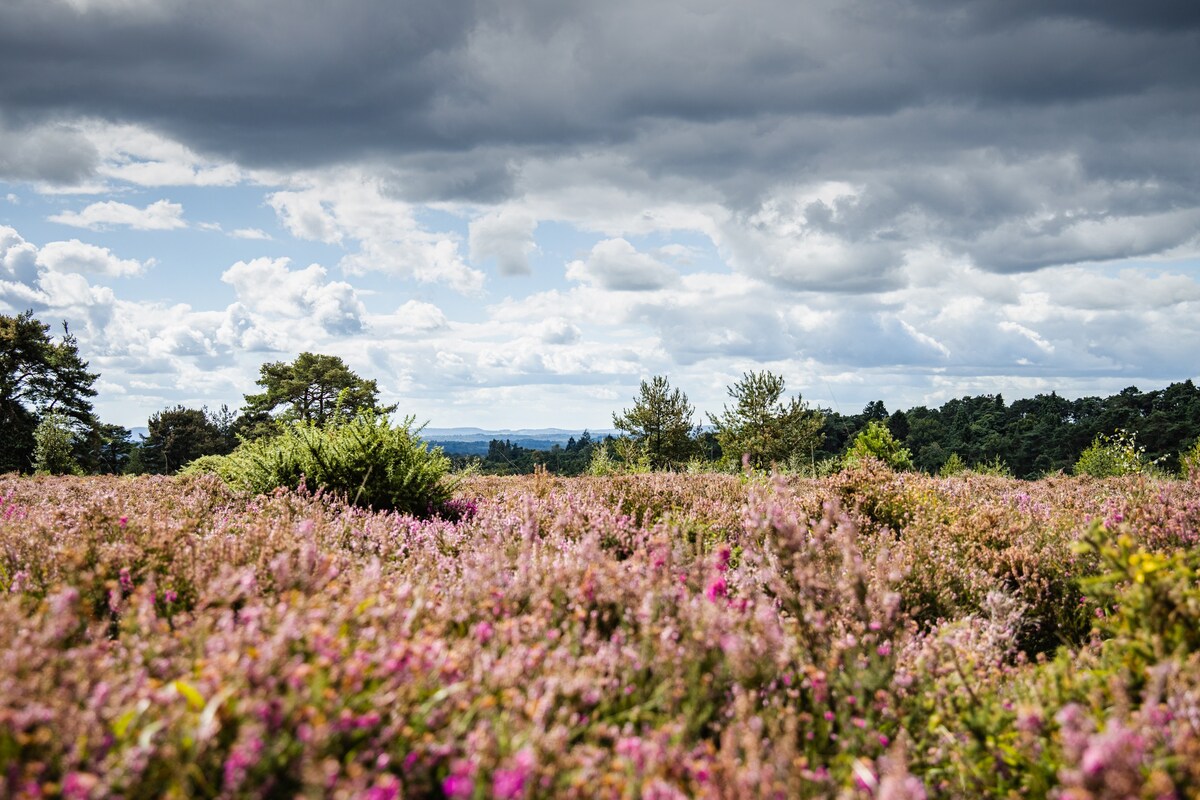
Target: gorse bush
(365, 459)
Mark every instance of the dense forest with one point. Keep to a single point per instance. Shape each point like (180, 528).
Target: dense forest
(1034, 436)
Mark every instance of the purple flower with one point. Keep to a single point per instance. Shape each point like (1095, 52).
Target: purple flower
(508, 784)
(460, 782)
(718, 588)
(457, 786)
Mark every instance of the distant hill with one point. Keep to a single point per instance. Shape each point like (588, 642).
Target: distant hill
(474, 441)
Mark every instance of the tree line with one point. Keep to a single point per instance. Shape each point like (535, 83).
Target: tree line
(47, 423)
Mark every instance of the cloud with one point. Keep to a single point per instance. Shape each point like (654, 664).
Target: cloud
(507, 236)
(267, 286)
(306, 216)
(161, 215)
(48, 153)
(354, 209)
(559, 330)
(616, 264)
(417, 316)
(250, 233)
(77, 256)
(882, 199)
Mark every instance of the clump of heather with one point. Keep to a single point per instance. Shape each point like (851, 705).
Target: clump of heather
(871, 635)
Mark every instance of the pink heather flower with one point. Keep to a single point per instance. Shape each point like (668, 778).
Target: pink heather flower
(829, 716)
(170, 596)
(239, 762)
(723, 556)
(126, 580)
(483, 632)
(884, 649)
(78, 785)
(457, 786)
(123, 521)
(460, 783)
(509, 784)
(384, 791)
(901, 787)
(884, 740)
(718, 588)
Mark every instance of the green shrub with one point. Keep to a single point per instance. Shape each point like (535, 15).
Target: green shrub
(53, 441)
(1113, 456)
(954, 466)
(876, 441)
(996, 468)
(366, 459)
(1189, 461)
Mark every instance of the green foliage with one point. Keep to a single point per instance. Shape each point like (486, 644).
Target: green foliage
(877, 442)
(764, 428)
(365, 459)
(1113, 456)
(602, 462)
(660, 423)
(37, 376)
(994, 467)
(313, 388)
(954, 466)
(53, 440)
(1189, 461)
(178, 436)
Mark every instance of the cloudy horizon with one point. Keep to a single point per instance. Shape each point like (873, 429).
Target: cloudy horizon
(510, 215)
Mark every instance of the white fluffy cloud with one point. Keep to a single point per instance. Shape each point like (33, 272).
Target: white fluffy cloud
(268, 286)
(506, 235)
(356, 209)
(77, 256)
(615, 264)
(162, 215)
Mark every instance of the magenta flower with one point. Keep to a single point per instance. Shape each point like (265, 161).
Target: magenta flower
(457, 786)
(718, 588)
(508, 784)
(460, 783)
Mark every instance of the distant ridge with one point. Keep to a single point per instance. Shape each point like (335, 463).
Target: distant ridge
(483, 434)
(474, 441)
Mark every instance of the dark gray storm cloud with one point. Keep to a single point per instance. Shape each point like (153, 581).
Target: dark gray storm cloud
(962, 123)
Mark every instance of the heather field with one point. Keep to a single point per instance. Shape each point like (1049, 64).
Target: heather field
(872, 634)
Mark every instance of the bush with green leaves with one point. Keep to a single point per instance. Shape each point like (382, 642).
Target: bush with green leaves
(954, 466)
(53, 443)
(1189, 461)
(1114, 456)
(876, 441)
(366, 459)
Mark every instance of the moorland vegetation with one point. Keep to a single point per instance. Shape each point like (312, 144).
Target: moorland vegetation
(322, 606)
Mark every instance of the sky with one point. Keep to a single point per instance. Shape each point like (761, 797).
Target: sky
(509, 214)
